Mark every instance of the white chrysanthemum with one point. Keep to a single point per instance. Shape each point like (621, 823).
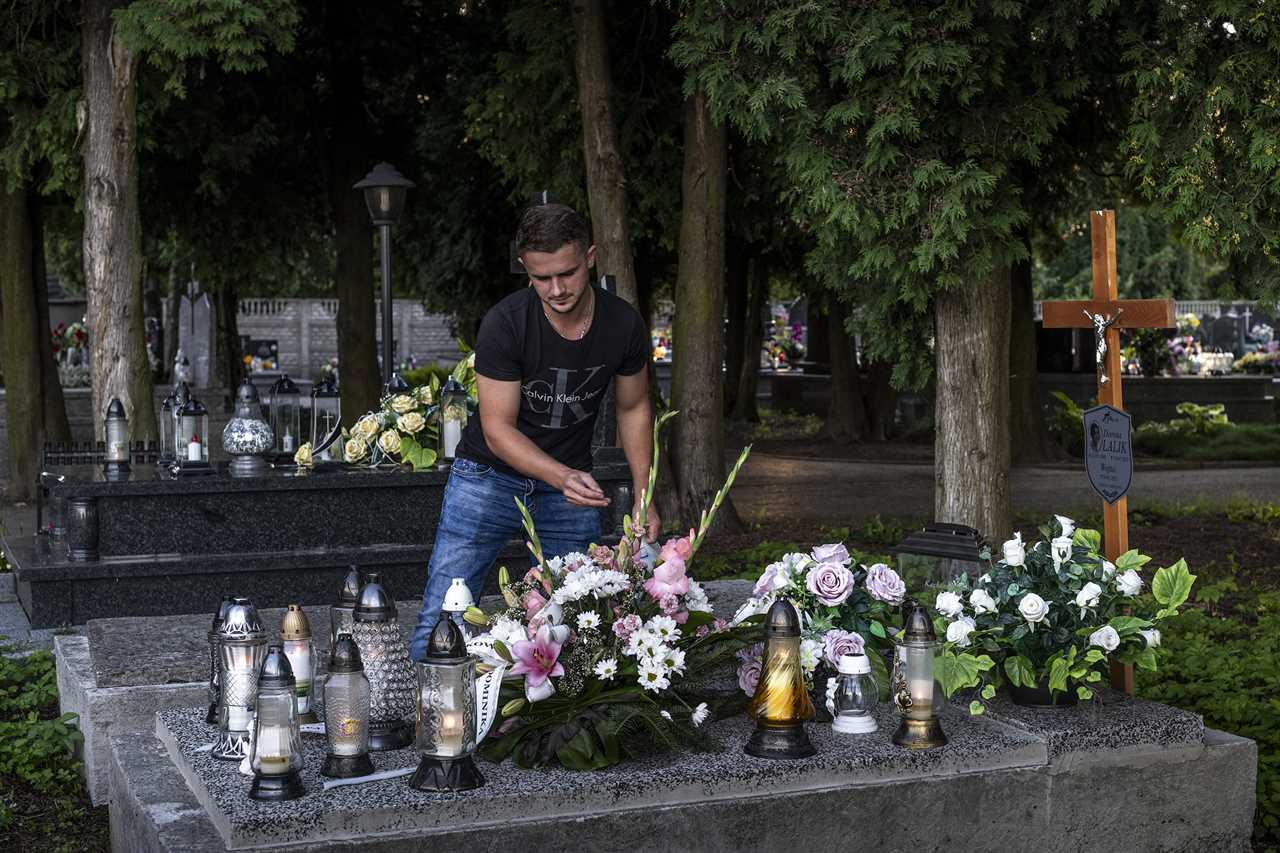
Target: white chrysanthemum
(672, 661)
(589, 581)
(607, 669)
(696, 600)
(664, 626)
(507, 631)
(810, 655)
(653, 677)
(645, 645)
(577, 561)
(700, 714)
(588, 621)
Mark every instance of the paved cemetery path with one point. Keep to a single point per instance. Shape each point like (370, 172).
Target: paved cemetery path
(844, 492)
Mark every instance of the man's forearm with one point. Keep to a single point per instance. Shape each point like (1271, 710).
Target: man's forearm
(518, 450)
(635, 433)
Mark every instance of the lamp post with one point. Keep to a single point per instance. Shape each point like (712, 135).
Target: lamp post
(384, 191)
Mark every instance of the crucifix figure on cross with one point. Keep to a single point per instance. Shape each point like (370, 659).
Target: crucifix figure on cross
(1107, 314)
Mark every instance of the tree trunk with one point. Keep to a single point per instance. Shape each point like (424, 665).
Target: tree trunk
(172, 303)
(56, 426)
(360, 379)
(817, 343)
(737, 296)
(971, 449)
(1030, 438)
(23, 399)
(697, 387)
(847, 417)
(606, 177)
(744, 404)
(112, 241)
(231, 369)
(881, 400)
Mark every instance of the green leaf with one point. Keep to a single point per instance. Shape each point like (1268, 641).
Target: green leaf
(1131, 559)
(1094, 655)
(421, 458)
(1128, 626)
(1172, 585)
(989, 691)
(1058, 673)
(1090, 539)
(877, 630)
(976, 708)
(956, 672)
(1084, 692)
(1146, 659)
(1021, 671)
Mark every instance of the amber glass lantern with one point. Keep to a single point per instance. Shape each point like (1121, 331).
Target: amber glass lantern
(781, 704)
(446, 713)
(915, 689)
(276, 759)
(346, 713)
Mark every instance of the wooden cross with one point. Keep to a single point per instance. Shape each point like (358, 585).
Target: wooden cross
(1113, 315)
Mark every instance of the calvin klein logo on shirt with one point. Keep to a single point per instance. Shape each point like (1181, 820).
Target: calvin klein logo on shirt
(555, 397)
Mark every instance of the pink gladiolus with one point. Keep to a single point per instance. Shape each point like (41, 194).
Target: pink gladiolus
(535, 576)
(533, 602)
(668, 578)
(679, 549)
(537, 659)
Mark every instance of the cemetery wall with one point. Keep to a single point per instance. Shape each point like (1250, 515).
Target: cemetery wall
(1248, 399)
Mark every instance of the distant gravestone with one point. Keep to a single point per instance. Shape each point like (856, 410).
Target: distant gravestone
(1226, 334)
(195, 336)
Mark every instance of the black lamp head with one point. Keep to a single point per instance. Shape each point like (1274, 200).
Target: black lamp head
(345, 656)
(384, 191)
(782, 620)
(446, 644)
(276, 672)
(375, 603)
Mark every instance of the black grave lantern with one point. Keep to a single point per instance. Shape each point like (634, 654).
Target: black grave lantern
(116, 428)
(286, 403)
(326, 419)
(939, 553)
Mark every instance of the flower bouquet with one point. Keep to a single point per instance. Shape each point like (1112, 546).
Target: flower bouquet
(608, 654)
(1052, 616)
(845, 609)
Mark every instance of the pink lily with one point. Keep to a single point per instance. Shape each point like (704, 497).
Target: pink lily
(538, 660)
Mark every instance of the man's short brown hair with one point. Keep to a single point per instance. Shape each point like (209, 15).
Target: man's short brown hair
(548, 227)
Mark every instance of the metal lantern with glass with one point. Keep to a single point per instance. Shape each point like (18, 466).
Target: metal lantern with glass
(855, 696)
(214, 653)
(286, 418)
(276, 759)
(295, 636)
(242, 644)
(116, 428)
(446, 724)
(781, 704)
(384, 192)
(166, 424)
(193, 438)
(247, 437)
(939, 553)
(915, 689)
(387, 666)
(341, 619)
(457, 598)
(346, 712)
(451, 418)
(181, 393)
(326, 419)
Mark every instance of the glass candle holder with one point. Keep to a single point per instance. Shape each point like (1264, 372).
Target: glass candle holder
(915, 690)
(854, 697)
(115, 427)
(346, 713)
(781, 704)
(242, 645)
(295, 636)
(452, 418)
(446, 713)
(276, 759)
(214, 652)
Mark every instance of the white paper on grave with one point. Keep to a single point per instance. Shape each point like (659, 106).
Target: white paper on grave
(311, 728)
(372, 777)
(489, 685)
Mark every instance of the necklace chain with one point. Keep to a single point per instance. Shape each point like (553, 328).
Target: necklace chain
(586, 321)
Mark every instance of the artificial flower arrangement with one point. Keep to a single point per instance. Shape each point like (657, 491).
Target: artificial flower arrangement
(403, 430)
(1053, 615)
(845, 609)
(608, 654)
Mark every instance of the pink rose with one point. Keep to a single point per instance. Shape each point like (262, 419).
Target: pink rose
(836, 643)
(625, 627)
(749, 677)
(830, 582)
(668, 579)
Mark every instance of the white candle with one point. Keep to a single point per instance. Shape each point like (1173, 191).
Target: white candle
(287, 442)
(451, 733)
(452, 435)
(193, 450)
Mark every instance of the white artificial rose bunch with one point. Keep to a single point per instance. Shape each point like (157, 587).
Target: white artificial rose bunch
(1033, 608)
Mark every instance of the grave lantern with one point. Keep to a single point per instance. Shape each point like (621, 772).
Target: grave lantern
(855, 696)
(340, 613)
(242, 644)
(387, 666)
(193, 438)
(456, 601)
(277, 740)
(214, 633)
(285, 417)
(384, 192)
(247, 437)
(452, 417)
(936, 555)
(446, 723)
(781, 704)
(346, 713)
(181, 393)
(167, 407)
(326, 418)
(295, 636)
(915, 690)
(116, 427)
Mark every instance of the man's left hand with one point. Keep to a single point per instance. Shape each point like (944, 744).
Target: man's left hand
(652, 524)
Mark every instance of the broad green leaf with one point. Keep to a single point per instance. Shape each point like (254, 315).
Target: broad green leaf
(877, 629)
(976, 708)
(1128, 626)
(1084, 692)
(1172, 585)
(1090, 539)
(989, 692)
(421, 458)
(1094, 655)
(1021, 672)
(1146, 659)
(1131, 559)
(956, 672)
(1058, 675)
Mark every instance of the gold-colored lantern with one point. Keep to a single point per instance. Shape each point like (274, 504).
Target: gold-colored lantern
(781, 704)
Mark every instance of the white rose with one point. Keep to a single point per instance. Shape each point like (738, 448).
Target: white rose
(982, 602)
(958, 631)
(1068, 526)
(1014, 552)
(1060, 548)
(1105, 638)
(1108, 570)
(949, 604)
(1152, 636)
(1088, 596)
(985, 579)
(402, 403)
(1129, 583)
(1033, 608)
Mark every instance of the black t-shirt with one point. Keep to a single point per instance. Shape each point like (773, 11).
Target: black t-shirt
(561, 382)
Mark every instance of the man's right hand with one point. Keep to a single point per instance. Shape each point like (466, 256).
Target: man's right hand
(581, 489)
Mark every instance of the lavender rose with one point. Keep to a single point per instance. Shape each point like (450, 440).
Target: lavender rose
(884, 584)
(837, 642)
(830, 582)
(835, 553)
(749, 677)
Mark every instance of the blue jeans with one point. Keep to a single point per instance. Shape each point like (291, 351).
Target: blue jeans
(478, 517)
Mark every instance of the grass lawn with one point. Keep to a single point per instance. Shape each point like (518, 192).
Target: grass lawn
(1239, 442)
